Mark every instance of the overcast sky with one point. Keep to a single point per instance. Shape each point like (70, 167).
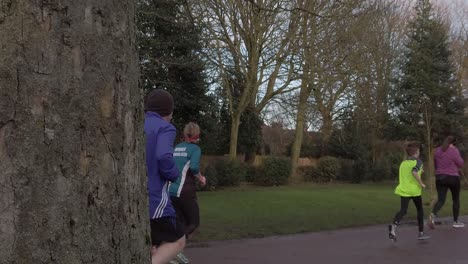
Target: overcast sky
(457, 10)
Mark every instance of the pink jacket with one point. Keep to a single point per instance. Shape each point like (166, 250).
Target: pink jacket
(448, 162)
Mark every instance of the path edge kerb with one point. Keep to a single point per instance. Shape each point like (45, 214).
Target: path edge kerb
(411, 222)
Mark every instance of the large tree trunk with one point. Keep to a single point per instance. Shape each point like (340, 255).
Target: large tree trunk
(327, 126)
(300, 125)
(72, 182)
(235, 122)
(430, 162)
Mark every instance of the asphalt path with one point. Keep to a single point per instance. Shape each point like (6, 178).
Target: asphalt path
(355, 245)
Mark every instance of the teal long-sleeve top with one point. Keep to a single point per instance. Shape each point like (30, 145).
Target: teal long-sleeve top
(187, 159)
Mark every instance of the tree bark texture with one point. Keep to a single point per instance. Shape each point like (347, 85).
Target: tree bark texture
(235, 123)
(72, 181)
(300, 128)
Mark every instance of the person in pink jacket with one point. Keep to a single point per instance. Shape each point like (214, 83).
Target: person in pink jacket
(448, 161)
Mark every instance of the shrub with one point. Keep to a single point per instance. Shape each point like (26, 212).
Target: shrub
(310, 174)
(387, 167)
(394, 159)
(251, 173)
(211, 179)
(327, 170)
(380, 170)
(273, 171)
(346, 170)
(230, 173)
(360, 171)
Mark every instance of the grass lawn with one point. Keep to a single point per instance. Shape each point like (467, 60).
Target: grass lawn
(257, 212)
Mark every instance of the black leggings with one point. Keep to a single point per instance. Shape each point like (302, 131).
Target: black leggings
(417, 200)
(443, 183)
(188, 212)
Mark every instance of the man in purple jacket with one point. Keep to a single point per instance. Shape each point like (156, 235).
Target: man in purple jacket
(167, 235)
(448, 161)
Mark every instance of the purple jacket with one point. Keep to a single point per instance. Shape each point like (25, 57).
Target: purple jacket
(448, 162)
(160, 164)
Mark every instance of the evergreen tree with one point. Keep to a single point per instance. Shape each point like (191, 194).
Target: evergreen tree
(426, 100)
(169, 48)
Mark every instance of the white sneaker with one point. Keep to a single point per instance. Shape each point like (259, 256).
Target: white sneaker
(181, 258)
(458, 224)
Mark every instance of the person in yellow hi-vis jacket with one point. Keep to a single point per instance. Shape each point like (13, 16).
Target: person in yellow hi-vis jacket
(410, 188)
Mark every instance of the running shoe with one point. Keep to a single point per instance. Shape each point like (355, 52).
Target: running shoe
(182, 259)
(423, 236)
(392, 231)
(431, 221)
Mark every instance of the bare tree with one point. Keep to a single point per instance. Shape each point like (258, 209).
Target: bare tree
(458, 22)
(254, 42)
(380, 46)
(72, 183)
(325, 52)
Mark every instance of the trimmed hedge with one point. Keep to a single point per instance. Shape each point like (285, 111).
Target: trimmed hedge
(251, 173)
(211, 176)
(273, 171)
(230, 173)
(327, 170)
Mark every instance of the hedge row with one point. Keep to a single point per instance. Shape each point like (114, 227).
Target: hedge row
(274, 171)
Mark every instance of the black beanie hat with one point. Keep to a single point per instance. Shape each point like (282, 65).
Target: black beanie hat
(160, 101)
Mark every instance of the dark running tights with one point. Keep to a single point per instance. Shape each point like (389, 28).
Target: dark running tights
(404, 208)
(443, 184)
(188, 212)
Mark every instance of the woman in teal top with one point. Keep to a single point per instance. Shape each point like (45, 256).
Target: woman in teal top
(183, 191)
